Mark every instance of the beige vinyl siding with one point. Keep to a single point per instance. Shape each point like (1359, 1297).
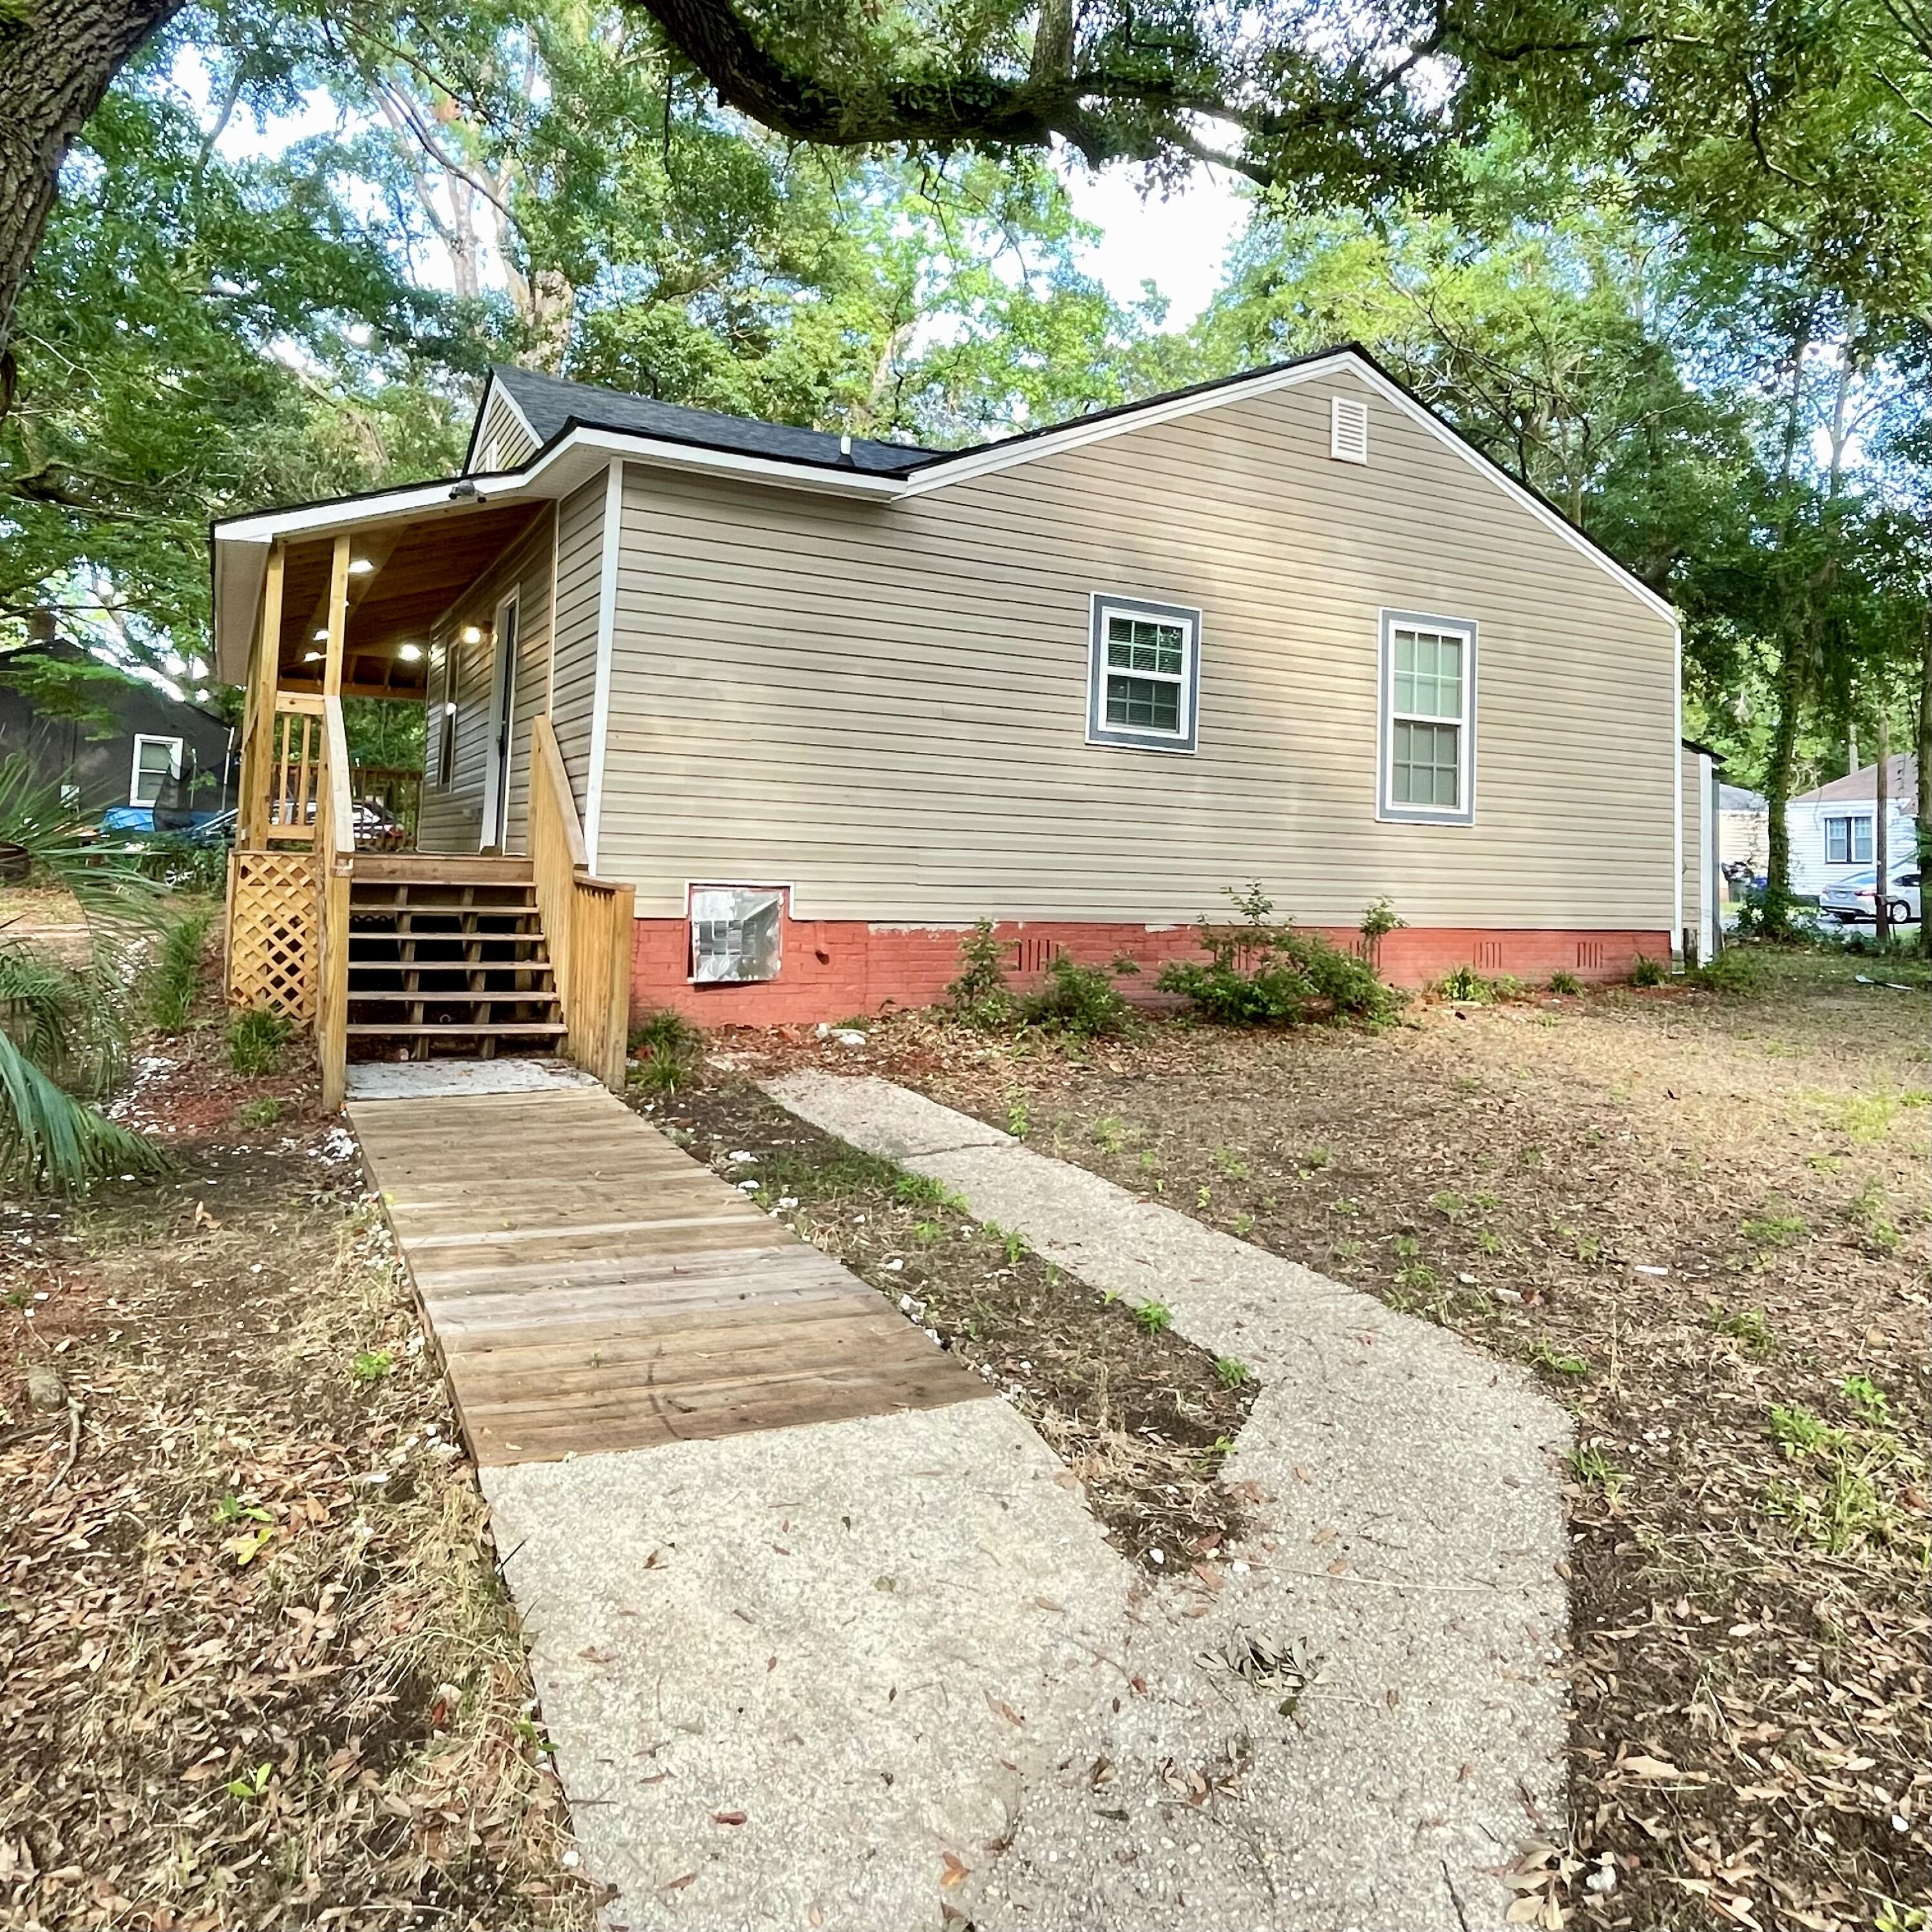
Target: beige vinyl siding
(580, 560)
(503, 441)
(885, 705)
(452, 819)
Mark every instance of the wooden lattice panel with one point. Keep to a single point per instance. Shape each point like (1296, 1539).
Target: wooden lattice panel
(274, 933)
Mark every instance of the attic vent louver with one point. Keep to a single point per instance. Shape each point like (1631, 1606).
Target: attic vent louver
(1347, 430)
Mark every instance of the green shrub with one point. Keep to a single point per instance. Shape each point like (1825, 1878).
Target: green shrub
(1082, 1000)
(185, 864)
(255, 1038)
(980, 997)
(671, 1049)
(1648, 971)
(1465, 984)
(1565, 982)
(1258, 974)
(177, 971)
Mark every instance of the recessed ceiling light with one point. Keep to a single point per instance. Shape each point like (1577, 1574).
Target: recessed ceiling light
(311, 657)
(360, 566)
(409, 653)
(321, 637)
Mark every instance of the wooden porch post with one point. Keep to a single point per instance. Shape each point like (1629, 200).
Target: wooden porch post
(258, 724)
(338, 618)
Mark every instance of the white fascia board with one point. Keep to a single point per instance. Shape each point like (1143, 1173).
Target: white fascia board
(1075, 435)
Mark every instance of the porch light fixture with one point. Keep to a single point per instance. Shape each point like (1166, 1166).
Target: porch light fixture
(311, 657)
(321, 637)
(360, 566)
(409, 653)
(473, 633)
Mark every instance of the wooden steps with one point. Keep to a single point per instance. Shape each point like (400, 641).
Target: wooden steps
(448, 953)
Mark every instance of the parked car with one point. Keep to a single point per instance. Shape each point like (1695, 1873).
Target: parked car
(1855, 897)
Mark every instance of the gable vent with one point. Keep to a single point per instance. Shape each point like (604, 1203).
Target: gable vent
(1347, 430)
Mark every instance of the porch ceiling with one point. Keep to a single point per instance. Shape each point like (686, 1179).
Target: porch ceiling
(420, 569)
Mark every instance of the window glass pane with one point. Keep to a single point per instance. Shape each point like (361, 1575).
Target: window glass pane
(1424, 766)
(1861, 841)
(1142, 703)
(1138, 644)
(157, 766)
(1428, 677)
(1837, 841)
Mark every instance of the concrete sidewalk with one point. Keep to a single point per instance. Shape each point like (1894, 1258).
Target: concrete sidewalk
(1410, 1532)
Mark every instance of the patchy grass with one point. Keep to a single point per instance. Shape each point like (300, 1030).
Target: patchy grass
(1144, 1419)
(259, 1668)
(1700, 1212)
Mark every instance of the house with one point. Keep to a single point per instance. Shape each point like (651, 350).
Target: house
(1832, 827)
(116, 741)
(1744, 829)
(818, 703)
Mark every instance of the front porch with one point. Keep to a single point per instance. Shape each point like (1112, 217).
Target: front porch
(341, 915)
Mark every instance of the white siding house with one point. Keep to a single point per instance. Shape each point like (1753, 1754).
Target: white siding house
(1832, 830)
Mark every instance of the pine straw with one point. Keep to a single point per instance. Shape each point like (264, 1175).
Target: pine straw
(1690, 1215)
(260, 1668)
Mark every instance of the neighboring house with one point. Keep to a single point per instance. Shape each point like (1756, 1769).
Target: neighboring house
(1833, 827)
(1743, 829)
(133, 745)
(823, 701)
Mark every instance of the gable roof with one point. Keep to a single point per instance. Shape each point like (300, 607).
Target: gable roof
(1740, 798)
(549, 405)
(1901, 783)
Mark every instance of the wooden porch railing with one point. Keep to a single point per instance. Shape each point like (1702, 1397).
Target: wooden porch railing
(587, 922)
(335, 858)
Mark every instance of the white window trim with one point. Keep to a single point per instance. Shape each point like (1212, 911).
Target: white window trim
(442, 749)
(1353, 410)
(141, 738)
(1386, 806)
(1102, 606)
(1852, 820)
(503, 696)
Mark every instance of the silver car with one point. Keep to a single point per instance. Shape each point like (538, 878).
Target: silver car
(1855, 897)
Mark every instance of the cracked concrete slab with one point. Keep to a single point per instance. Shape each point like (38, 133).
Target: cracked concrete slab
(1408, 1531)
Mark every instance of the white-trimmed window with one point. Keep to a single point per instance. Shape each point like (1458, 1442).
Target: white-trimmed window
(1848, 840)
(736, 933)
(1143, 674)
(157, 761)
(1428, 748)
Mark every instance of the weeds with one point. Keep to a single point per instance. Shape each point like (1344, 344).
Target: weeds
(1234, 1373)
(1565, 982)
(372, 1365)
(263, 1111)
(1543, 1353)
(256, 1039)
(1868, 1399)
(1595, 1470)
(673, 1051)
(1153, 1317)
(1648, 971)
(1749, 1326)
(980, 997)
(176, 978)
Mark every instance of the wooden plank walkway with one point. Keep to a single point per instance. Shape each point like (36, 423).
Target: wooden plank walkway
(592, 1287)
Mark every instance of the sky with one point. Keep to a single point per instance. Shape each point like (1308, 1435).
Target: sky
(1178, 244)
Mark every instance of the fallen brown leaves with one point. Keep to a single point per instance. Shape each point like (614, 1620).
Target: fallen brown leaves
(258, 1667)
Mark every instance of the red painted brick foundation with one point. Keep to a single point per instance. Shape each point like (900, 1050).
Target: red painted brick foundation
(834, 969)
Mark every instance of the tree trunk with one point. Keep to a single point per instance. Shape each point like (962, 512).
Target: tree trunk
(57, 58)
(1881, 845)
(1925, 776)
(1778, 788)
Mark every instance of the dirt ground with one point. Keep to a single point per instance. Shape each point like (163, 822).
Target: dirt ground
(1703, 1219)
(258, 1670)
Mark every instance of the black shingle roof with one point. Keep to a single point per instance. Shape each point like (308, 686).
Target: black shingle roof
(549, 402)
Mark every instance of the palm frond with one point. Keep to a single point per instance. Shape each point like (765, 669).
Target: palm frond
(40, 1003)
(49, 1139)
(110, 888)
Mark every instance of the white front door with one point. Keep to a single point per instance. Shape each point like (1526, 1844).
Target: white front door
(502, 718)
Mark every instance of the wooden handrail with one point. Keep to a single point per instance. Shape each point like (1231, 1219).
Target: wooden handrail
(587, 922)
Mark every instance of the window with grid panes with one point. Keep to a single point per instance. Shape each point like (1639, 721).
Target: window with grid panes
(1427, 674)
(1143, 676)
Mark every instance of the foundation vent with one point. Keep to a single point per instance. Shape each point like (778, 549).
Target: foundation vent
(1489, 955)
(1590, 953)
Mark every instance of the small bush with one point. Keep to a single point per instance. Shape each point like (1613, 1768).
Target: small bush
(1259, 973)
(1565, 982)
(177, 971)
(1648, 971)
(669, 1049)
(980, 997)
(1734, 972)
(1082, 1000)
(1465, 984)
(256, 1039)
(1233, 1372)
